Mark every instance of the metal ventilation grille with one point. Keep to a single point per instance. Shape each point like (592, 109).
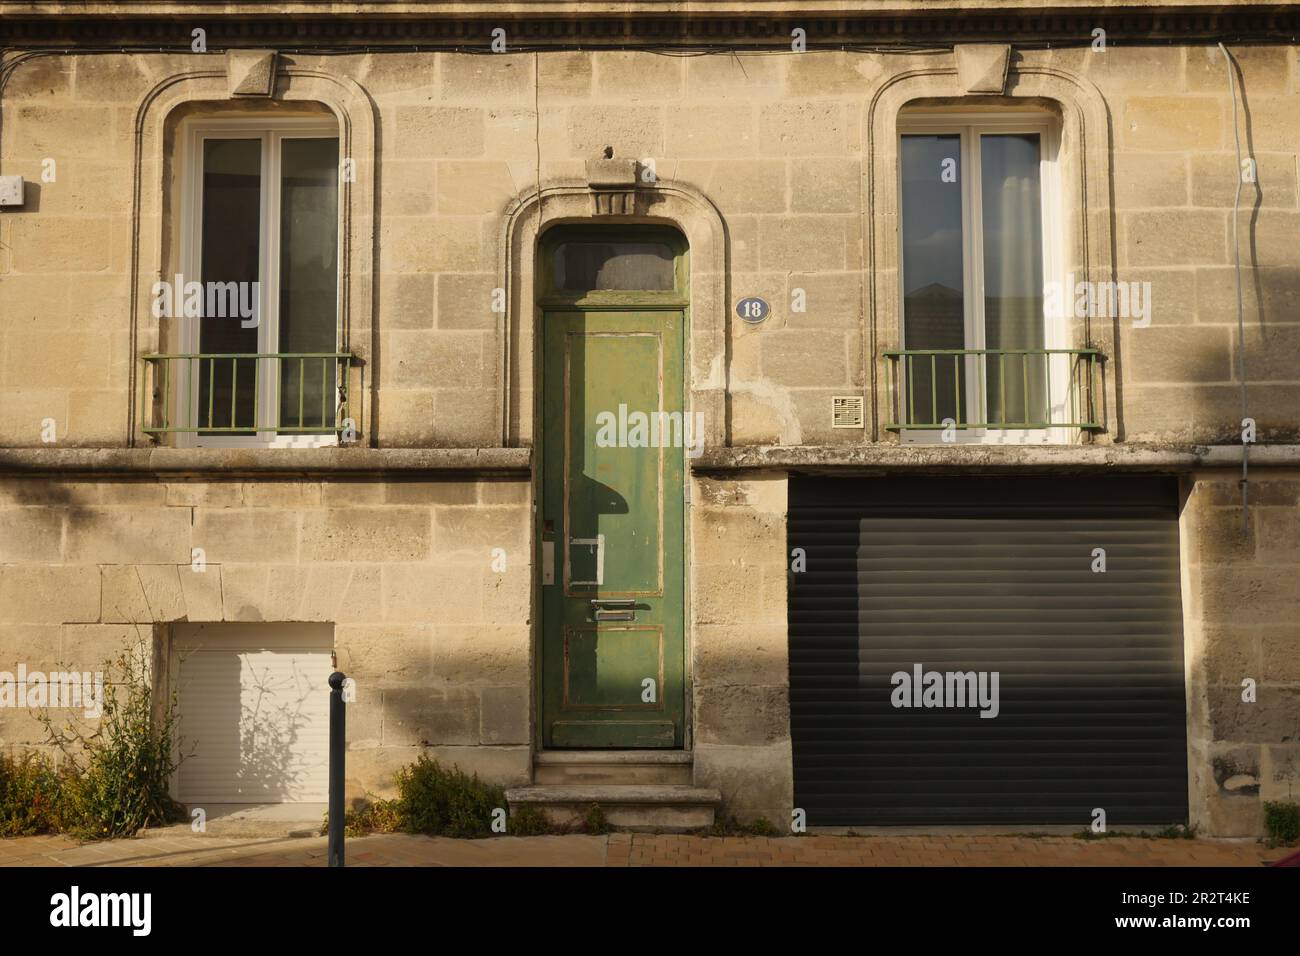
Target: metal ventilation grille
(982, 574)
(846, 411)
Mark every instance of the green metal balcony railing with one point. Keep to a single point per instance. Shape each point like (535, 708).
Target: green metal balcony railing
(993, 388)
(228, 393)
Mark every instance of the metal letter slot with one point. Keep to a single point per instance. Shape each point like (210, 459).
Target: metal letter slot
(610, 609)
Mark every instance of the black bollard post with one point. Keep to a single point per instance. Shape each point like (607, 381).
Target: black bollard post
(338, 739)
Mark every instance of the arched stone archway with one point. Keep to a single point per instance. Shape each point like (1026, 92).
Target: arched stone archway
(574, 201)
(153, 218)
(1085, 176)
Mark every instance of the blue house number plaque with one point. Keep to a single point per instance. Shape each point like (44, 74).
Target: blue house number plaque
(752, 309)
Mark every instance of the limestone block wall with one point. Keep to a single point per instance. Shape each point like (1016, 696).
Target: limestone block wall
(738, 648)
(778, 143)
(436, 638)
(65, 256)
(1174, 179)
(1241, 588)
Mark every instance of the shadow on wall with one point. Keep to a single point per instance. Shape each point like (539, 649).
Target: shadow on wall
(1183, 375)
(1270, 305)
(256, 716)
(270, 725)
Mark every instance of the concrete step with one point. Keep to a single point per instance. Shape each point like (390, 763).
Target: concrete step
(612, 768)
(626, 807)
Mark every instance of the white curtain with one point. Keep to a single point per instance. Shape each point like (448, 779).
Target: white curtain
(1013, 277)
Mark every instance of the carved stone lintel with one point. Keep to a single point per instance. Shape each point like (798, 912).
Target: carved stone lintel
(613, 202)
(613, 186)
(982, 67)
(251, 72)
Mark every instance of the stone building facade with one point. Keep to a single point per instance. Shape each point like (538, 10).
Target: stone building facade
(415, 534)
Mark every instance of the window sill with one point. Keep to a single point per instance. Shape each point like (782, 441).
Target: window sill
(262, 462)
(890, 457)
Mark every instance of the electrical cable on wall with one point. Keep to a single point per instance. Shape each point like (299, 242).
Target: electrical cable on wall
(1241, 322)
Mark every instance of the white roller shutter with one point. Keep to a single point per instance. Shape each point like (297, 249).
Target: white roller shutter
(254, 712)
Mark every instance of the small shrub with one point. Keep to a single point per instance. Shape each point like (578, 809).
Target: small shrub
(727, 825)
(723, 825)
(528, 820)
(29, 796)
(118, 771)
(594, 821)
(441, 802)
(1281, 823)
(377, 816)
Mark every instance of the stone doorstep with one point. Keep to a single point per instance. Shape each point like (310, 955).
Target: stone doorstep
(613, 767)
(612, 756)
(626, 807)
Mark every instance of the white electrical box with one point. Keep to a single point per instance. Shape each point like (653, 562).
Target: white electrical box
(11, 190)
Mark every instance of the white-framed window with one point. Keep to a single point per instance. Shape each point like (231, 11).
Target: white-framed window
(260, 235)
(980, 232)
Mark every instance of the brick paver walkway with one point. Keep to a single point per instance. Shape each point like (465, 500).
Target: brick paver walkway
(636, 849)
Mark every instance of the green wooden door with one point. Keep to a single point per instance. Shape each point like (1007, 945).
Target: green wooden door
(611, 524)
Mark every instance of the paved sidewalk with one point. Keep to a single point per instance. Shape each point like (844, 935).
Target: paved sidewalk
(636, 849)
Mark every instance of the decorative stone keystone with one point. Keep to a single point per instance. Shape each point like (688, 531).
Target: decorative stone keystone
(982, 67)
(250, 72)
(613, 186)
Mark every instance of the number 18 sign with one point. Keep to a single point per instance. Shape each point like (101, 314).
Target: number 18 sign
(752, 309)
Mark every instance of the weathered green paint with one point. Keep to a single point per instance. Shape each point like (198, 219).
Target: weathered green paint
(614, 516)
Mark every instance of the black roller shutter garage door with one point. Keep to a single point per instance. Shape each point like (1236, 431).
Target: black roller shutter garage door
(916, 593)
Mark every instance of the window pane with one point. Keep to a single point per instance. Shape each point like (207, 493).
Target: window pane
(231, 250)
(1011, 201)
(600, 266)
(933, 312)
(308, 278)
